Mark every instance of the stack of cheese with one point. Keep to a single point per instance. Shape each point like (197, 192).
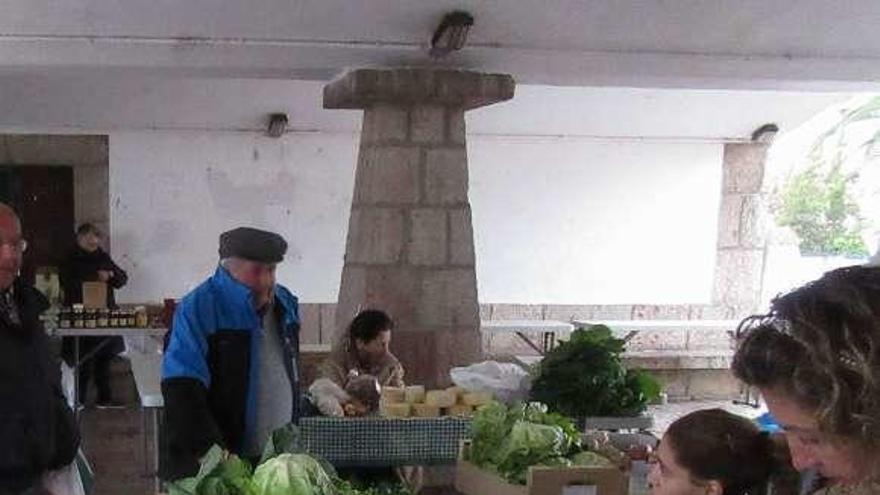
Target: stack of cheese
(414, 401)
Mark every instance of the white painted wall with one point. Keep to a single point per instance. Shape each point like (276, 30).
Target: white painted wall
(555, 220)
(171, 194)
(575, 221)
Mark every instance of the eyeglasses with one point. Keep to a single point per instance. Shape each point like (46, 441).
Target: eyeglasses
(16, 245)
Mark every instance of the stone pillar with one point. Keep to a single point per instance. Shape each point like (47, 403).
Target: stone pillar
(742, 229)
(410, 244)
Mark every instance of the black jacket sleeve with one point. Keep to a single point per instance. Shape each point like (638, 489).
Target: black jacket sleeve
(189, 428)
(119, 277)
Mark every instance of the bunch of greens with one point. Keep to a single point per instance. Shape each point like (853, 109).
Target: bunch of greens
(220, 473)
(283, 470)
(347, 488)
(509, 440)
(585, 377)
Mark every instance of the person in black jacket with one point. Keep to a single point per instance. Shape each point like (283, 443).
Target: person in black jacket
(37, 429)
(87, 262)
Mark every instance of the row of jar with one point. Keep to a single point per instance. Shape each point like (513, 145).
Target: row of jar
(81, 317)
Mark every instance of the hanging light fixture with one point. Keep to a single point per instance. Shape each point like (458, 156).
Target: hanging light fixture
(277, 125)
(451, 34)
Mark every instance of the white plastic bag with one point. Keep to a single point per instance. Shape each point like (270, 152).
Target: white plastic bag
(506, 381)
(67, 383)
(65, 481)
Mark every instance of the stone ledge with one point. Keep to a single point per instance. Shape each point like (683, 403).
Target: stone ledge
(679, 360)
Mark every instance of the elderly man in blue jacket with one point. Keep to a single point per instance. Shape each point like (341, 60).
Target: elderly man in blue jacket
(229, 376)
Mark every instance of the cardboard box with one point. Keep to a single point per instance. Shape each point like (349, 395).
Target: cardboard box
(94, 295)
(471, 480)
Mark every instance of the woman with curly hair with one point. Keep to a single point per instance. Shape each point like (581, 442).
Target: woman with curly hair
(815, 357)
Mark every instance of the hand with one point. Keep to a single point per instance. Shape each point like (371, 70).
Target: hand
(104, 275)
(639, 452)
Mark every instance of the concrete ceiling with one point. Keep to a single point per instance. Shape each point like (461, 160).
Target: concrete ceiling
(126, 102)
(724, 44)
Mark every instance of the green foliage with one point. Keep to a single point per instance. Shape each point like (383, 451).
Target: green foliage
(292, 474)
(220, 473)
(509, 440)
(817, 204)
(585, 377)
(348, 488)
(285, 469)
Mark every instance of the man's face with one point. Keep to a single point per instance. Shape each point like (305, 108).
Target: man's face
(259, 277)
(89, 241)
(11, 248)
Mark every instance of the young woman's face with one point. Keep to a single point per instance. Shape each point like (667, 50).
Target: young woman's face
(834, 458)
(667, 477)
(374, 350)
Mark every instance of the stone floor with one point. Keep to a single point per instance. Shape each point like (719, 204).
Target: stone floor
(113, 442)
(665, 414)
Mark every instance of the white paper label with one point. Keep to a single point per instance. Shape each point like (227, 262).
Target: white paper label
(579, 490)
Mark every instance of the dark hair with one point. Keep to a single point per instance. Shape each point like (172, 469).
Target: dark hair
(88, 228)
(368, 324)
(820, 344)
(714, 444)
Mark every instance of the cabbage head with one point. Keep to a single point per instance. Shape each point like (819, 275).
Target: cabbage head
(292, 474)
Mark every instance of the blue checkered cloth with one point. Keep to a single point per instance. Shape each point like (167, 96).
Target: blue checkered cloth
(378, 442)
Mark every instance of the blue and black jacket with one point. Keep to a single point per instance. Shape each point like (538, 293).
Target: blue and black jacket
(209, 371)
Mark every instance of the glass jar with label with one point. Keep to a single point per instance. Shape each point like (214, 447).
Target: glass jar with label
(113, 322)
(78, 318)
(91, 318)
(140, 317)
(130, 319)
(64, 318)
(103, 318)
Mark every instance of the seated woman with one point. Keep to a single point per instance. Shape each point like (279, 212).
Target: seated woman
(713, 452)
(360, 359)
(816, 360)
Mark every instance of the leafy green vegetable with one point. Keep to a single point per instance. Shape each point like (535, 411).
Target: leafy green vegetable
(284, 470)
(347, 488)
(556, 462)
(527, 445)
(284, 440)
(587, 458)
(509, 440)
(585, 377)
(488, 431)
(292, 474)
(220, 473)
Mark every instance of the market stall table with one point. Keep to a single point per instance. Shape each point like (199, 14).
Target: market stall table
(77, 333)
(653, 325)
(547, 328)
(146, 367)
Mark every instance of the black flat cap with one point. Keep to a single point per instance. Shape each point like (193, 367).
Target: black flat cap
(253, 244)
